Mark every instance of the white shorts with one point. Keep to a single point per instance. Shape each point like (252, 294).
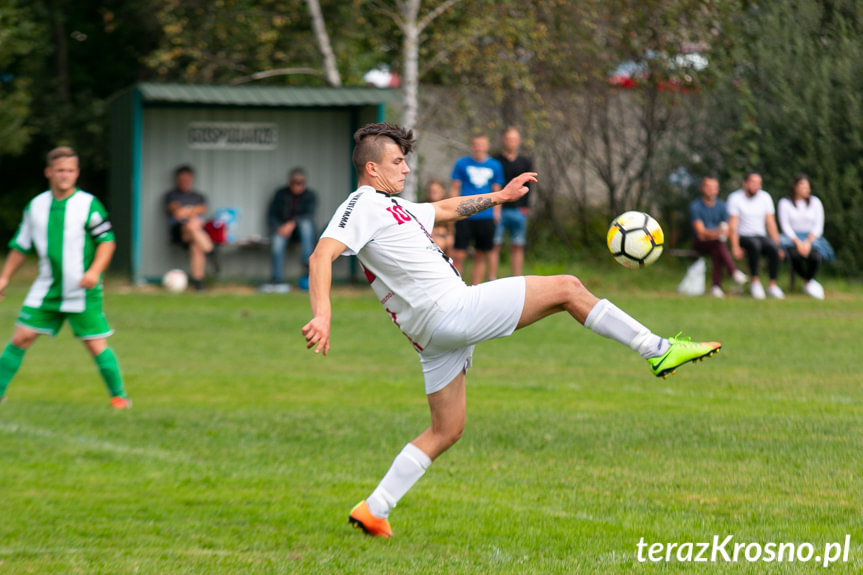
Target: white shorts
(486, 311)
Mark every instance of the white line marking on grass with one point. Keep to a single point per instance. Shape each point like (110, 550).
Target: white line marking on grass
(94, 443)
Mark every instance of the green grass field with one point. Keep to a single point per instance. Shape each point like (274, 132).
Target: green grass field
(244, 452)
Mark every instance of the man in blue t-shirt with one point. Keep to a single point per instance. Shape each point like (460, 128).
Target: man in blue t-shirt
(709, 218)
(476, 174)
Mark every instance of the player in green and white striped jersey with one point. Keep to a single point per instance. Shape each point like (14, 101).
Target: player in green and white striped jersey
(70, 231)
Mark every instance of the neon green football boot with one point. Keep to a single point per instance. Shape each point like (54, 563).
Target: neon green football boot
(680, 351)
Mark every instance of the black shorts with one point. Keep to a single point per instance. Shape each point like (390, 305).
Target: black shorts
(480, 232)
(176, 232)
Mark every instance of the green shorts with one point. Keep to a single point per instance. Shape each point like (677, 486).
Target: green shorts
(85, 325)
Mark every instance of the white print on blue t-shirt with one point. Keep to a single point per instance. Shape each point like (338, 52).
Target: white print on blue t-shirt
(479, 176)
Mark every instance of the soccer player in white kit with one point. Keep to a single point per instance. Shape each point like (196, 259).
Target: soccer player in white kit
(442, 317)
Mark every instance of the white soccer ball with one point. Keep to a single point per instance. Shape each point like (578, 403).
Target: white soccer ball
(635, 239)
(175, 281)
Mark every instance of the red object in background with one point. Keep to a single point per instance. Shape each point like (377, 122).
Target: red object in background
(217, 230)
(678, 72)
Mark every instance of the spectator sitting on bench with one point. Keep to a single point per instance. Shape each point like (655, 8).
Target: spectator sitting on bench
(709, 218)
(186, 209)
(291, 216)
(753, 233)
(801, 219)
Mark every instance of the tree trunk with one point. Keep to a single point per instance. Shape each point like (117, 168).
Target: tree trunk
(332, 71)
(410, 76)
(410, 54)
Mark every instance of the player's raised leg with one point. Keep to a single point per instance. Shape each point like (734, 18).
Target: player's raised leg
(545, 295)
(447, 408)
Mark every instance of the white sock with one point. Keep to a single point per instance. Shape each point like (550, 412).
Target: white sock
(407, 468)
(608, 320)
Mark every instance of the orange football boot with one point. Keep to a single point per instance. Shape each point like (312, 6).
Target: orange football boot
(361, 518)
(119, 402)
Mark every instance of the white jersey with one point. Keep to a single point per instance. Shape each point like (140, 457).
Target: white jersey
(412, 278)
(752, 212)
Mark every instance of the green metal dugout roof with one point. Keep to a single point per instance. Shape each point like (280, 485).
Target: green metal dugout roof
(276, 96)
(150, 126)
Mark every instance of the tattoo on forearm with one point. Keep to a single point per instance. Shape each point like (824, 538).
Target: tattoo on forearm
(470, 206)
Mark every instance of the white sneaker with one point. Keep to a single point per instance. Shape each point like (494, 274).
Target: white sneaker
(775, 291)
(739, 277)
(757, 290)
(274, 288)
(814, 289)
(716, 291)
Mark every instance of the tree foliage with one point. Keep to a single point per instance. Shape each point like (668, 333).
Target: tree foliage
(218, 41)
(66, 59)
(782, 92)
(235, 41)
(20, 35)
(590, 135)
(791, 100)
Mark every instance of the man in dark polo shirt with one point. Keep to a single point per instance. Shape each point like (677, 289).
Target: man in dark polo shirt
(186, 209)
(513, 216)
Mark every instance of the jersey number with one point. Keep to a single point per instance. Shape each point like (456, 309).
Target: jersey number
(399, 214)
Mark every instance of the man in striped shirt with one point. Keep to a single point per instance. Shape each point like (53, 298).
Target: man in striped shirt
(70, 232)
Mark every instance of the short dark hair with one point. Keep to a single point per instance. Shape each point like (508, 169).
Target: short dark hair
(370, 140)
(184, 169)
(749, 174)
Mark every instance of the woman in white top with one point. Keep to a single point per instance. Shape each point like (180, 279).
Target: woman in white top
(801, 221)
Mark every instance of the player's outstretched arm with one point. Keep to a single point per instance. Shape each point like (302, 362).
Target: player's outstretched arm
(317, 331)
(461, 207)
(13, 262)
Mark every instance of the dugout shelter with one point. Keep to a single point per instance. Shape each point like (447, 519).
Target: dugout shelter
(241, 142)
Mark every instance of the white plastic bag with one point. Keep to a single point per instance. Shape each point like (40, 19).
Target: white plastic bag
(693, 283)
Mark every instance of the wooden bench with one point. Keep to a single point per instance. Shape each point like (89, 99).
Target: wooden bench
(252, 243)
(689, 253)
